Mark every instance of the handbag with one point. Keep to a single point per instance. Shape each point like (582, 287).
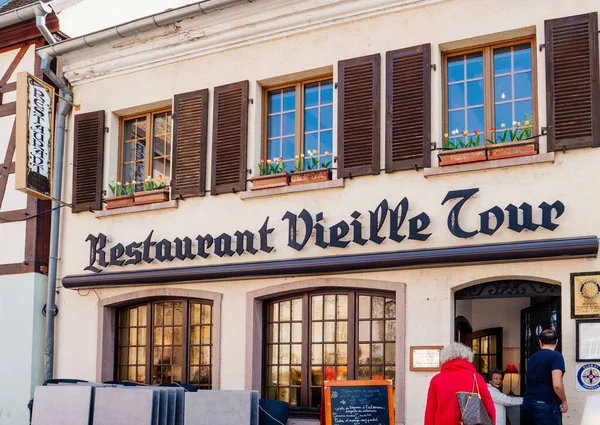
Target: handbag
(472, 410)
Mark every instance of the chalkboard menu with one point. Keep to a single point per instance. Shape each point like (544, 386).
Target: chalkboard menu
(359, 402)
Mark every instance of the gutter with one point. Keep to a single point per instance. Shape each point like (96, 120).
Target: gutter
(24, 13)
(136, 26)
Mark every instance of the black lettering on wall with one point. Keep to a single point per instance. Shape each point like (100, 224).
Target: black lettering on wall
(397, 217)
(97, 254)
(453, 216)
(547, 209)
(376, 220)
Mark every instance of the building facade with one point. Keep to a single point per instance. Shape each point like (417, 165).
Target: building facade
(422, 232)
(24, 227)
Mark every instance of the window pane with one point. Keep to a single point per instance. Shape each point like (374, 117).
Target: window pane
(289, 99)
(503, 115)
(456, 96)
(316, 356)
(128, 151)
(326, 92)
(311, 95)
(522, 57)
(274, 102)
(457, 121)
(297, 309)
(289, 123)
(129, 130)
(502, 61)
(329, 334)
(503, 88)
(475, 93)
(456, 69)
(326, 142)
(317, 307)
(274, 126)
(288, 149)
(330, 307)
(326, 117)
(475, 120)
(523, 85)
(523, 110)
(311, 142)
(364, 353)
(159, 145)
(273, 148)
(475, 65)
(311, 119)
(364, 307)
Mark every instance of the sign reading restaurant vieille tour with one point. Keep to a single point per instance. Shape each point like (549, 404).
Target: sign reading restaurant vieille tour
(385, 221)
(34, 130)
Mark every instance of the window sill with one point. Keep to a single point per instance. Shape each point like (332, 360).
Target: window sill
(136, 209)
(490, 165)
(250, 194)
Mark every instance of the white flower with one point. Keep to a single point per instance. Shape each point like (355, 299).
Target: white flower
(514, 123)
(133, 182)
(118, 183)
(309, 153)
(326, 153)
(455, 131)
(149, 177)
(112, 180)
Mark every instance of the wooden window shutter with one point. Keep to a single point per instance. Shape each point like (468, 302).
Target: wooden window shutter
(88, 161)
(358, 116)
(408, 108)
(230, 135)
(190, 119)
(573, 91)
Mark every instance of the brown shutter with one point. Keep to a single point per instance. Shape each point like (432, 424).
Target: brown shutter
(230, 134)
(408, 108)
(573, 93)
(88, 161)
(358, 116)
(190, 119)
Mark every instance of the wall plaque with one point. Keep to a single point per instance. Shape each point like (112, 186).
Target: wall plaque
(585, 295)
(425, 358)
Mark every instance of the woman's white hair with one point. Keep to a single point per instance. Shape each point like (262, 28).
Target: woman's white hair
(456, 350)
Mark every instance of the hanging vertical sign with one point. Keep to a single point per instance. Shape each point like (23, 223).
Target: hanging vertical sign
(34, 134)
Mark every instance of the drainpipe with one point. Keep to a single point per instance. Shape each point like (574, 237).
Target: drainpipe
(64, 108)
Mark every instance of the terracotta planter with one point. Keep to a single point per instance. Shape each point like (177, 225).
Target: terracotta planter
(119, 201)
(151, 196)
(310, 176)
(511, 150)
(462, 156)
(269, 181)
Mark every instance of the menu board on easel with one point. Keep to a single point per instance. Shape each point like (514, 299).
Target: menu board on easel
(357, 402)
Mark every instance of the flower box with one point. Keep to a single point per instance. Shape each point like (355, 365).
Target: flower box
(511, 149)
(462, 156)
(151, 196)
(270, 180)
(310, 176)
(119, 201)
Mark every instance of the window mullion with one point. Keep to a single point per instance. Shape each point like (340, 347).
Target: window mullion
(488, 103)
(305, 392)
(149, 339)
(149, 145)
(299, 145)
(185, 343)
(352, 339)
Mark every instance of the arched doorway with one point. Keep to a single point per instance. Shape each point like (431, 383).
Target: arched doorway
(506, 317)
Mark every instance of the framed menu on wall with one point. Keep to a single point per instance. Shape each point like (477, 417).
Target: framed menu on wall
(585, 295)
(588, 340)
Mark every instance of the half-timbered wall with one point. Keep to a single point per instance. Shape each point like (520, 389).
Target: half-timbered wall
(24, 238)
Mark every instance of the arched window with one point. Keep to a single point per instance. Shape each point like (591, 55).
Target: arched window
(326, 335)
(165, 341)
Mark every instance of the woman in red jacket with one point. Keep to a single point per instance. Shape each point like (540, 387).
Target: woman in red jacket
(456, 375)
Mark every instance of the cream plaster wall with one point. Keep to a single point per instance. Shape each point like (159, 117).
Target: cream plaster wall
(429, 292)
(22, 298)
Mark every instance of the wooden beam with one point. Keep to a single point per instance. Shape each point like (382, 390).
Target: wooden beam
(8, 87)
(13, 215)
(13, 65)
(8, 109)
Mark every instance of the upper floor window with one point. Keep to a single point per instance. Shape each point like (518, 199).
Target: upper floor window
(327, 336)
(299, 124)
(163, 342)
(146, 147)
(489, 94)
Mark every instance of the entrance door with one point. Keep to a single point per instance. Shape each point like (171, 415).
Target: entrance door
(534, 319)
(487, 349)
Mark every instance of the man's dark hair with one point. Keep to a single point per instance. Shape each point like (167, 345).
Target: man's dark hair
(491, 373)
(548, 337)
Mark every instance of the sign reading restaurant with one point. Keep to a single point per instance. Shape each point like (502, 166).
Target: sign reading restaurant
(34, 129)
(385, 221)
